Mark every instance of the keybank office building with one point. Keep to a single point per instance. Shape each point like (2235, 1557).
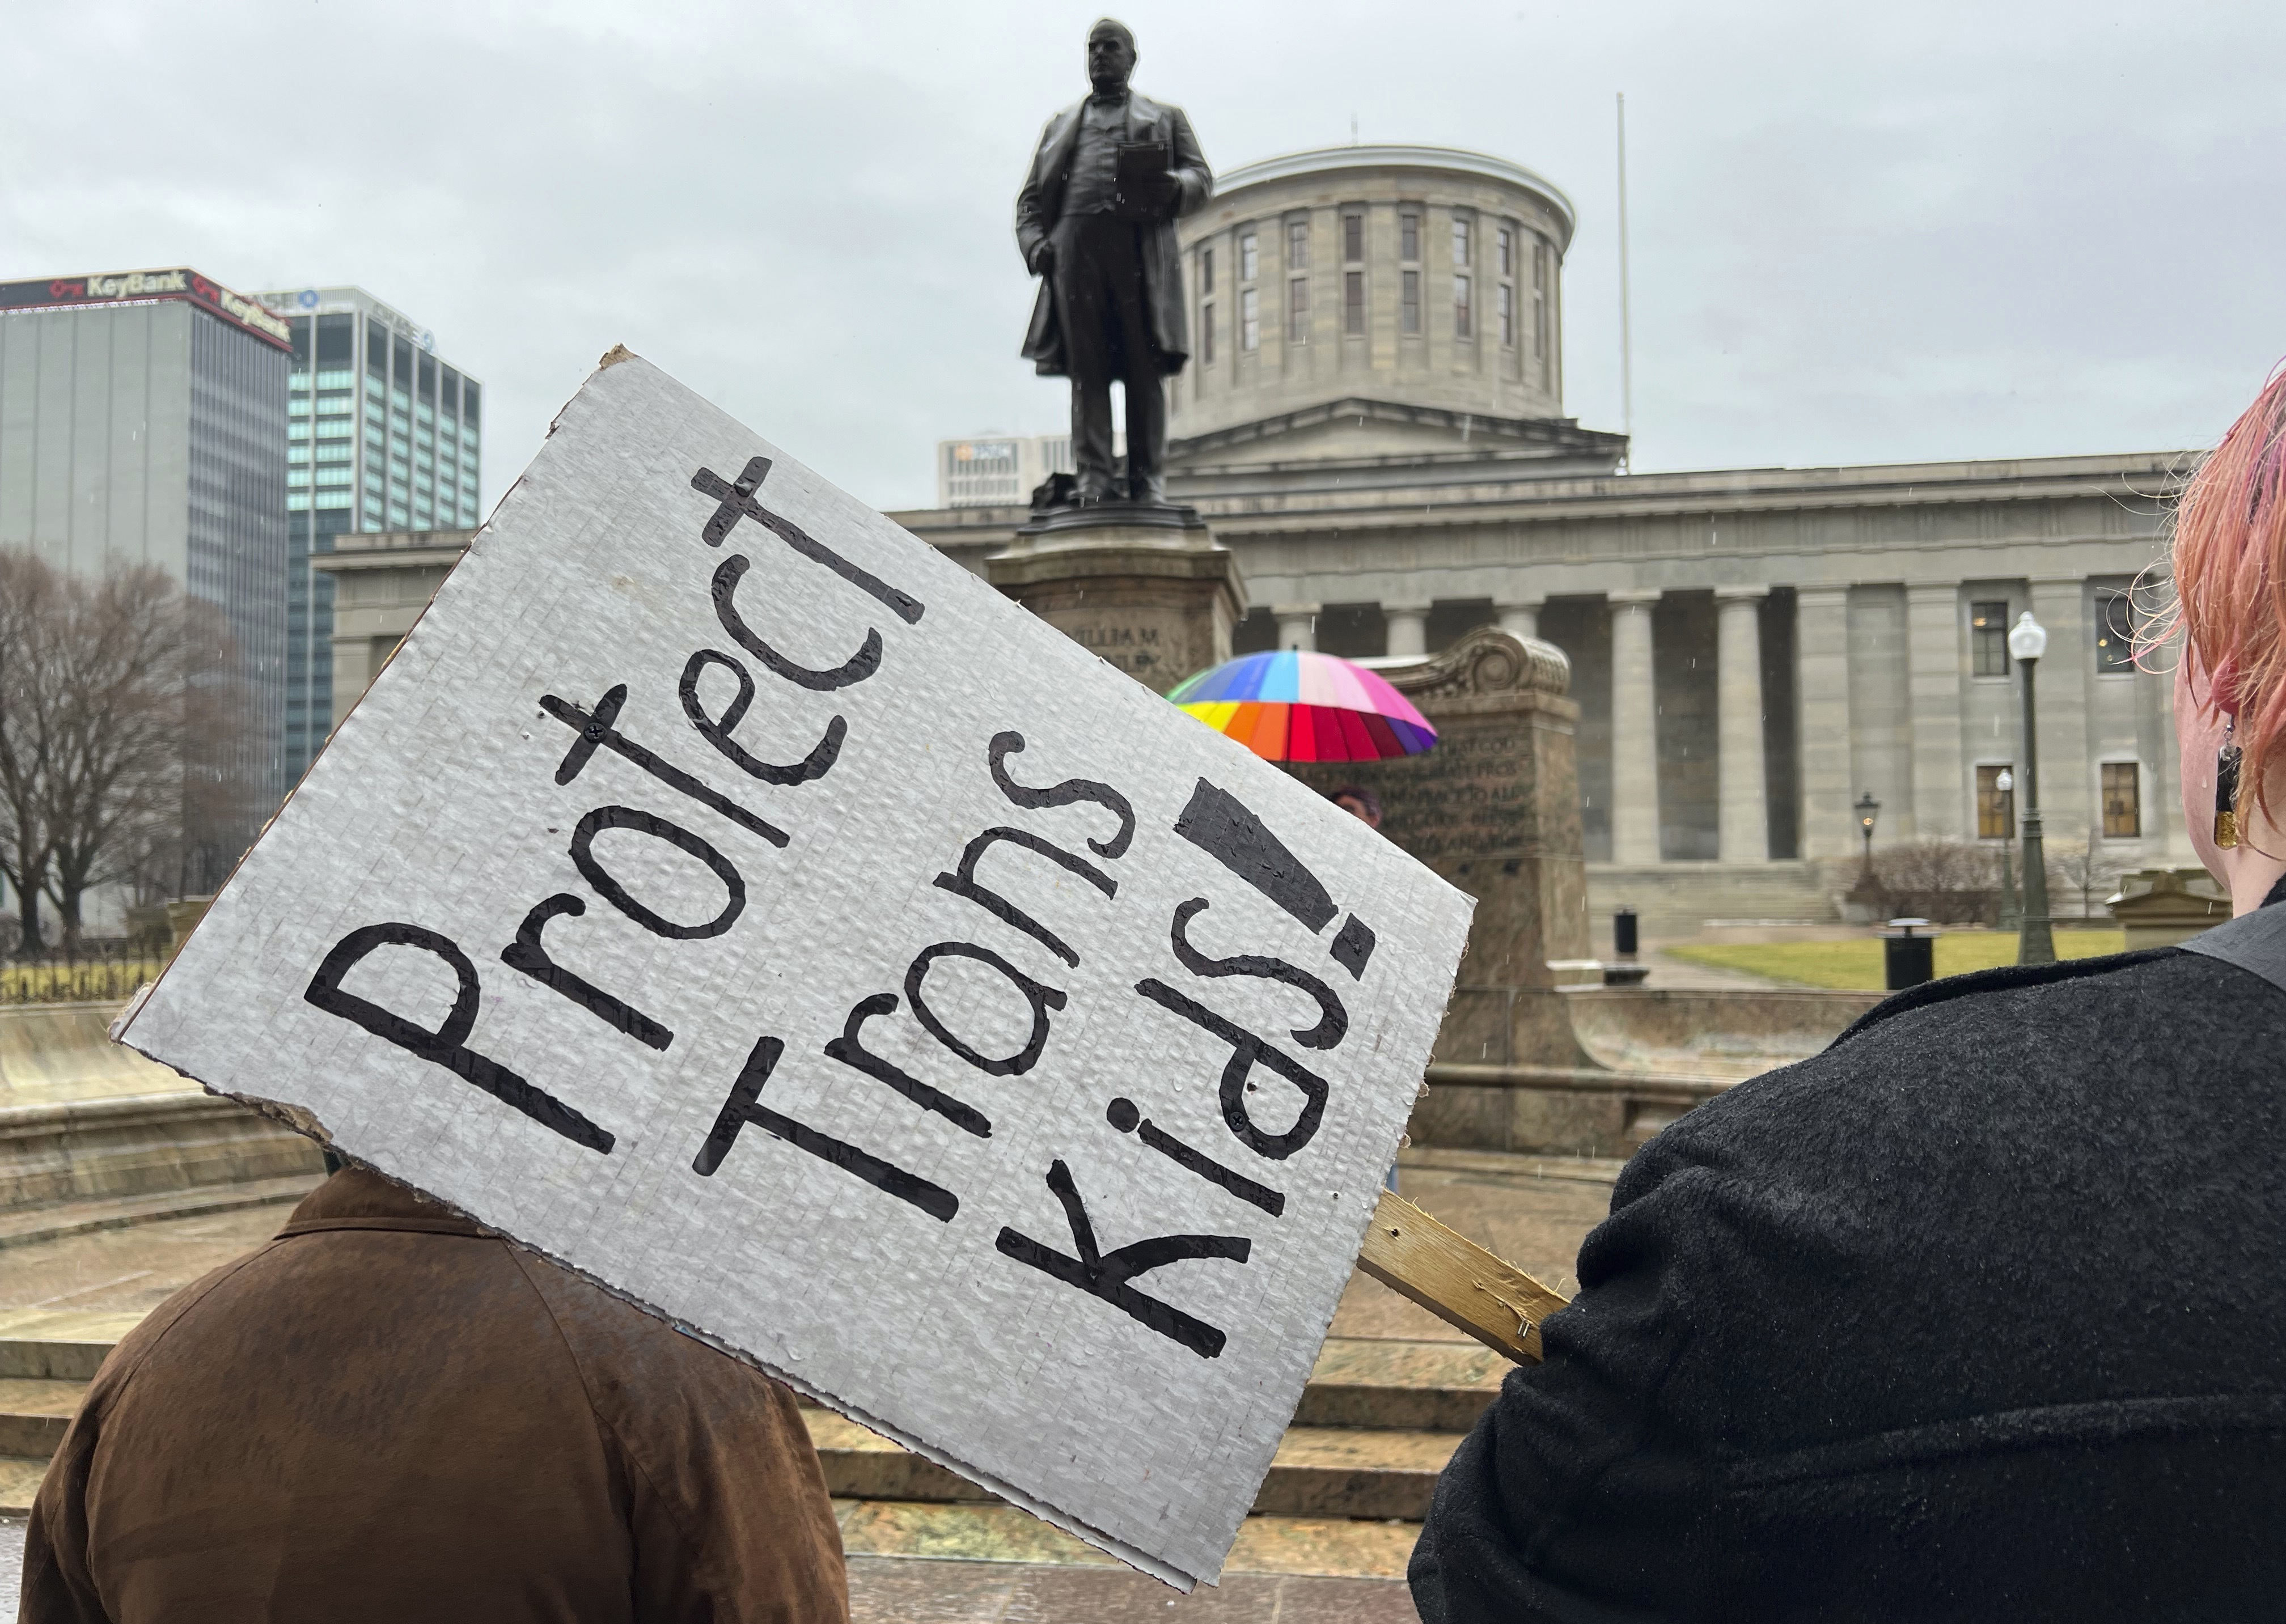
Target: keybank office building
(143, 421)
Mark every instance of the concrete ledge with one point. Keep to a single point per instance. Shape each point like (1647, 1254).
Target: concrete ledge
(1554, 1110)
(143, 1145)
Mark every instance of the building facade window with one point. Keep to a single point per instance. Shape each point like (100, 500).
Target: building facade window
(2115, 633)
(1353, 303)
(1462, 231)
(1506, 250)
(1540, 310)
(1297, 311)
(2122, 801)
(1353, 238)
(1463, 317)
(1408, 304)
(1206, 332)
(1988, 639)
(1996, 809)
(1408, 236)
(1297, 245)
(1250, 319)
(1249, 259)
(1507, 316)
(1206, 270)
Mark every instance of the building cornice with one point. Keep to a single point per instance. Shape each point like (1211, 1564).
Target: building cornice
(1563, 433)
(1444, 159)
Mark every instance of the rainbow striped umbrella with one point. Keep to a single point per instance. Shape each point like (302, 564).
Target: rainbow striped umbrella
(1295, 705)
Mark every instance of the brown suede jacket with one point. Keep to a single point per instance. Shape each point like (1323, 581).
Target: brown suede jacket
(388, 1413)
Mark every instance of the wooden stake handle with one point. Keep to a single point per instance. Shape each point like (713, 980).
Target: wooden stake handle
(1456, 1280)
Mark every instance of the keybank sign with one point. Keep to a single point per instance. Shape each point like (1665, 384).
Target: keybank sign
(120, 286)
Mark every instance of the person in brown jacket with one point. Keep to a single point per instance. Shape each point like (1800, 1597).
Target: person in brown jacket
(390, 1414)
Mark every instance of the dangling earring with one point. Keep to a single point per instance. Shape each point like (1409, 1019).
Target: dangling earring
(2225, 823)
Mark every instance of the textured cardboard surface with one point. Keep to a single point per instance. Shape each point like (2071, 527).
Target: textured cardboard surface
(884, 1230)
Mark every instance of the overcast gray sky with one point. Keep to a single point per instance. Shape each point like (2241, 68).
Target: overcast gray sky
(1859, 233)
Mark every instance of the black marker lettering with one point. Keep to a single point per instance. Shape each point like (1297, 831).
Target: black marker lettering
(1106, 1274)
(1245, 1053)
(850, 1050)
(1122, 1115)
(447, 1046)
(596, 732)
(717, 730)
(962, 882)
(744, 1107)
(1071, 789)
(1218, 825)
(529, 954)
(856, 668)
(738, 502)
(1040, 998)
(1333, 1020)
(583, 857)
(1352, 947)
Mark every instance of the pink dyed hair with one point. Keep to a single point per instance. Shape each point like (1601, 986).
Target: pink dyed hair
(2230, 568)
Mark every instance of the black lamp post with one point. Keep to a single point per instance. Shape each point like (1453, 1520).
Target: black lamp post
(1868, 809)
(2011, 915)
(2035, 944)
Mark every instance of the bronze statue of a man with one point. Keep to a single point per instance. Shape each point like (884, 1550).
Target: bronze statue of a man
(1096, 223)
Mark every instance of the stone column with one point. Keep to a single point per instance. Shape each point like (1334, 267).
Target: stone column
(1634, 732)
(1520, 620)
(1821, 641)
(1409, 630)
(1297, 625)
(1934, 657)
(1745, 813)
(2066, 775)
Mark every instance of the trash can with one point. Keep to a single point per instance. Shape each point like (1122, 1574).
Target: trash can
(1623, 932)
(1908, 953)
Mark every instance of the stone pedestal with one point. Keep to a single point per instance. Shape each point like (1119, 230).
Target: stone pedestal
(2160, 907)
(1494, 808)
(1147, 588)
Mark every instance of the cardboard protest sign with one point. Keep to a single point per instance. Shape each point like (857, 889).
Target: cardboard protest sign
(724, 894)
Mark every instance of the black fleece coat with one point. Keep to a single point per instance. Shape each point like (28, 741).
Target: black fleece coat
(1979, 1315)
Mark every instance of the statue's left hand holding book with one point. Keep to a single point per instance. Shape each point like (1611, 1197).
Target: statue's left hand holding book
(1147, 185)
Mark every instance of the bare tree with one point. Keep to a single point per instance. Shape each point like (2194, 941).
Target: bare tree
(122, 735)
(1949, 881)
(2085, 867)
(31, 596)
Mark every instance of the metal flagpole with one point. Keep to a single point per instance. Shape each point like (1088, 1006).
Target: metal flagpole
(1627, 345)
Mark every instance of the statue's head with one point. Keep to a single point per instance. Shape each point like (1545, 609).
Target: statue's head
(1110, 55)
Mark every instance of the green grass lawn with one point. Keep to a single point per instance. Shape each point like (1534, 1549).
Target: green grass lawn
(1856, 964)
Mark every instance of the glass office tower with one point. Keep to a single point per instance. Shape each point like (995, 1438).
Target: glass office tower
(380, 436)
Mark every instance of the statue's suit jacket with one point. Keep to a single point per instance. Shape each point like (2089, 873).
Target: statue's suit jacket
(1040, 205)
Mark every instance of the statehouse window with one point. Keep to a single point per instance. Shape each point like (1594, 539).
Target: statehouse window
(2115, 633)
(2122, 801)
(1988, 639)
(1206, 270)
(1249, 261)
(1353, 303)
(1297, 311)
(1250, 319)
(1206, 332)
(1507, 316)
(1408, 236)
(1539, 309)
(1297, 245)
(1460, 234)
(1409, 303)
(1464, 320)
(1353, 238)
(1507, 251)
(1996, 808)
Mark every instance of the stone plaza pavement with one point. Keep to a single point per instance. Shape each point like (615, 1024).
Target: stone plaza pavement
(1394, 1391)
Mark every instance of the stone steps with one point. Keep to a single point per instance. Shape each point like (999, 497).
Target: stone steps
(1377, 1423)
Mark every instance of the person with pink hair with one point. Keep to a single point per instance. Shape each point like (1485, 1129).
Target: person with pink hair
(1979, 1313)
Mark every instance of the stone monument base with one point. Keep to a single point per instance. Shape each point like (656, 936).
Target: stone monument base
(1144, 586)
